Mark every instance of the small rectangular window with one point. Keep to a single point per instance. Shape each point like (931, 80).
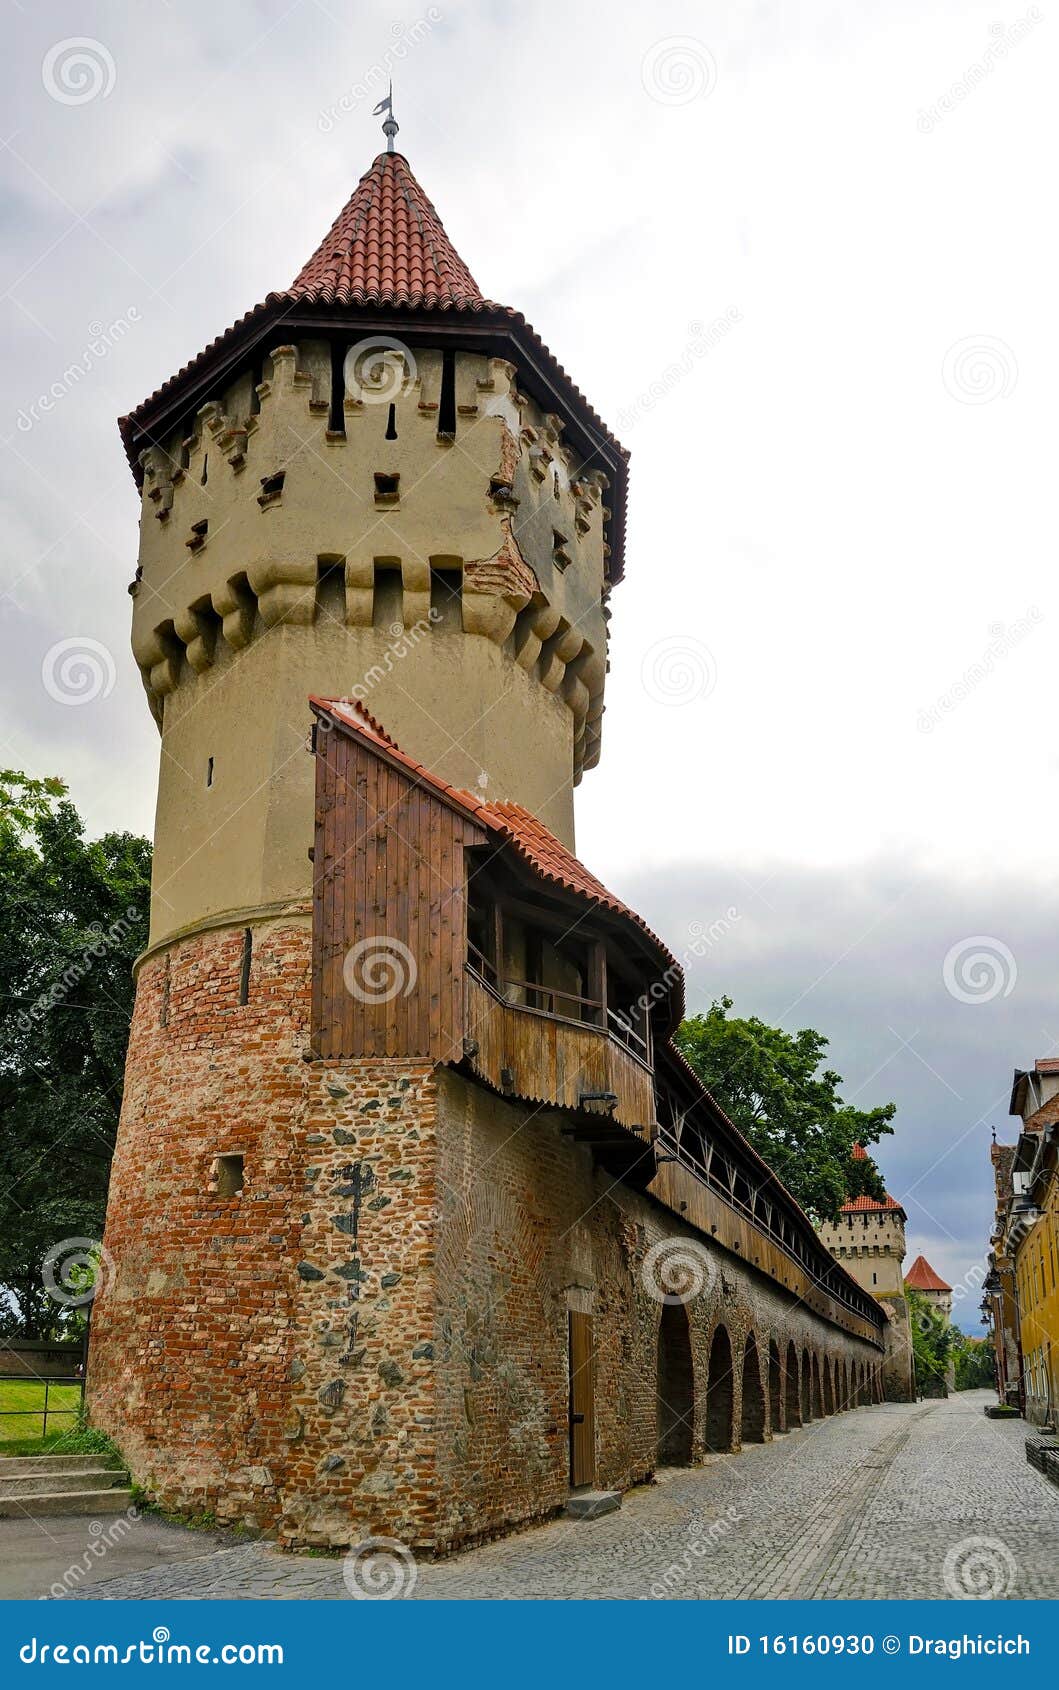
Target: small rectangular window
(228, 1175)
(244, 967)
(209, 771)
(446, 600)
(336, 420)
(447, 397)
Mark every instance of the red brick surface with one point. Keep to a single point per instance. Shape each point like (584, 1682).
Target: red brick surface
(371, 1338)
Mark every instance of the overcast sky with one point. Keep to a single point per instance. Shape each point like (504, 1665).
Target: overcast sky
(801, 257)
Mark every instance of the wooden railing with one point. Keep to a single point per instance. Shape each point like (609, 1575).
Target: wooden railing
(545, 1058)
(706, 1201)
(558, 1001)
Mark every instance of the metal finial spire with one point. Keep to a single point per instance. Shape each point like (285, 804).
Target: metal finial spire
(390, 126)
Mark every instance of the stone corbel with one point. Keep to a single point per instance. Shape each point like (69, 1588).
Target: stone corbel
(360, 591)
(211, 416)
(234, 605)
(198, 640)
(415, 594)
(538, 627)
(285, 588)
(563, 647)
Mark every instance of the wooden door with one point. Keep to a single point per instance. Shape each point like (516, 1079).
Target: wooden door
(582, 1401)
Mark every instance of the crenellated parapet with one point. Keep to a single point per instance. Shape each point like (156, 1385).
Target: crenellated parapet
(374, 486)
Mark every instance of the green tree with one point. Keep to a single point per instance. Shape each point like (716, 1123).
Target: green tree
(74, 914)
(773, 1086)
(975, 1362)
(933, 1341)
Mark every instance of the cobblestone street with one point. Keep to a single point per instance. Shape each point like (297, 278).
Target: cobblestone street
(928, 1500)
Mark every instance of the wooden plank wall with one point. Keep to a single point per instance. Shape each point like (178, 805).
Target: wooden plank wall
(705, 1208)
(555, 1061)
(388, 887)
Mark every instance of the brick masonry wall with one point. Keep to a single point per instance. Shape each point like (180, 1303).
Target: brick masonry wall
(371, 1338)
(267, 1357)
(529, 1228)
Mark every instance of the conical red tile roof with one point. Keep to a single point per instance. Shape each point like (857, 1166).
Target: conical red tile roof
(921, 1277)
(388, 252)
(387, 246)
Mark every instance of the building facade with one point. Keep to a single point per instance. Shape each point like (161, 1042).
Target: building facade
(1022, 1291)
(1000, 1303)
(419, 1220)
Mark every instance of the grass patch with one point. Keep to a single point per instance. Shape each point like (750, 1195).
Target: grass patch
(22, 1430)
(22, 1415)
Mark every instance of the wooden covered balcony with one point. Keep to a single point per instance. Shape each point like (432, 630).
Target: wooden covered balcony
(529, 1041)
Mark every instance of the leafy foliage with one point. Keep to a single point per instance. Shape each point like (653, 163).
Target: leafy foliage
(74, 915)
(933, 1341)
(773, 1087)
(975, 1363)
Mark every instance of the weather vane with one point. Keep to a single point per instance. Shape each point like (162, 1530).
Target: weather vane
(390, 127)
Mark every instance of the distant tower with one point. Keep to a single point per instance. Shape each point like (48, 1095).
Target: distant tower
(869, 1240)
(931, 1287)
(377, 485)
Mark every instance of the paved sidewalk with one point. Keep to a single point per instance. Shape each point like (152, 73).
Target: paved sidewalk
(926, 1500)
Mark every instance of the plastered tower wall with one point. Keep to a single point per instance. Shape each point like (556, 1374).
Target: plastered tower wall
(454, 583)
(870, 1244)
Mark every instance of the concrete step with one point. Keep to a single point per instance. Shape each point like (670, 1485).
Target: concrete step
(41, 1506)
(19, 1466)
(49, 1484)
(592, 1504)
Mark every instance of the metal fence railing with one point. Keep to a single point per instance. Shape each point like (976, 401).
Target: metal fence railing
(45, 1409)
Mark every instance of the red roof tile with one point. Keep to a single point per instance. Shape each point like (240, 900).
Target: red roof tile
(865, 1205)
(386, 251)
(387, 246)
(921, 1277)
(525, 832)
(859, 1153)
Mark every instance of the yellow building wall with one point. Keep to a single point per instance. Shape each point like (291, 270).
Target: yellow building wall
(1037, 1280)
